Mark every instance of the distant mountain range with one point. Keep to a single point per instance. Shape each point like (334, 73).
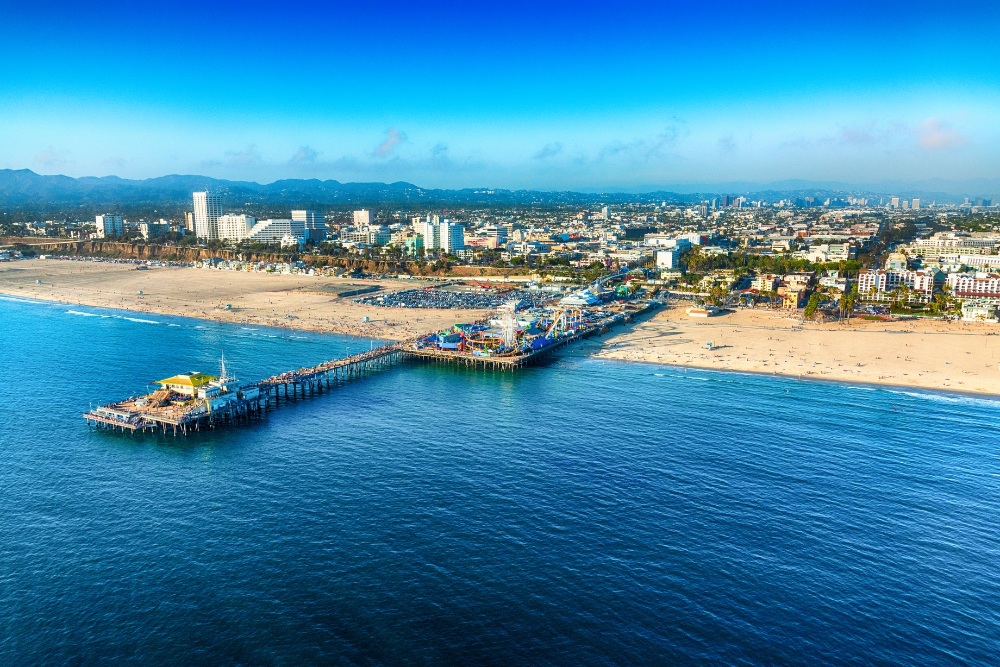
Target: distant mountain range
(24, 189)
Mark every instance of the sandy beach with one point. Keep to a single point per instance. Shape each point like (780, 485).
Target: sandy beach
(928, 354)
(290, 301)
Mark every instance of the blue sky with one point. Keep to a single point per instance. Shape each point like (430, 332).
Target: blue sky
(616, 95)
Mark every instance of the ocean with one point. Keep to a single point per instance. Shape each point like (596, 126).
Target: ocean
(582, 512)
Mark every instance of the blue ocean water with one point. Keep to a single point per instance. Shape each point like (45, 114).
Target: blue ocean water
(584, 512)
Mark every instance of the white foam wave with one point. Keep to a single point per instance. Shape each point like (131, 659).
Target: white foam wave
(955, 399)
(7, 297)
(83, 314)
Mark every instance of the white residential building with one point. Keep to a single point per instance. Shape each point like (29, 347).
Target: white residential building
(974, 284)
(362, 218)
(207, 209)
(235, 227)
(978, 262)
(275, 231)
(947, 242)
(110, 225)
(373, 235)
(878, 284)
(152, 230)
(767, 282)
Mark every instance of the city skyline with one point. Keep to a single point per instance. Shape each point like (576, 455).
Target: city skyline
(627, 98)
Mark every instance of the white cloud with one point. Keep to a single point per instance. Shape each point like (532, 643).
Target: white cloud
(934, 134)
(393, 138)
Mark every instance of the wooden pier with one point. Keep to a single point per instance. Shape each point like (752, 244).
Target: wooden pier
(314, 380)
(245, 403)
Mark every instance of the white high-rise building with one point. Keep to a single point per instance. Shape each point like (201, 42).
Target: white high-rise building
(207, 209)
(894, 202)
(235, 227)
(314, 224)
(110, 225)
(916, 204)
(431, 231)
(363, 217)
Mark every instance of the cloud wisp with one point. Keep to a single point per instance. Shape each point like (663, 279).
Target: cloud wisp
(305, 155)
(933, 134)
(246, 157)
(392, 141)
(548, 150)
(53, 158)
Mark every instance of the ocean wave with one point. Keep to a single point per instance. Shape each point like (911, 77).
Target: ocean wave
(140, 320)
(7, 297)
(84, 314)
(944, 397)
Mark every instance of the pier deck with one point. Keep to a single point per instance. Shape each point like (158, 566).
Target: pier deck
(249, 402)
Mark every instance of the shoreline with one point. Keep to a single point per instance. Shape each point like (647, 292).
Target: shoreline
(935, 356)
(867, 385)
(597, 344)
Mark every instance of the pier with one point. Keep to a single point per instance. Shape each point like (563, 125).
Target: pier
(191, 402)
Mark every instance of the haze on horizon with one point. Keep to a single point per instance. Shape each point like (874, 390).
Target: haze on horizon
(514, 95)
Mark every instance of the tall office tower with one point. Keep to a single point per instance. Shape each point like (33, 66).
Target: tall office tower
(894, 202)
(207, 209)
(452, 236)
(314, 224)
(363, 217)
(109, 225)
(915, 205)
(189, 222)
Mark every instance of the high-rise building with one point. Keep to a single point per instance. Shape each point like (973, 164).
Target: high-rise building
(916, 204)
(431, 231)
(894, 202)
(314, 224)
(363, 217)
(189, 222)
(235, 227)
(207, 209)
(109, 225)
(452, 236)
